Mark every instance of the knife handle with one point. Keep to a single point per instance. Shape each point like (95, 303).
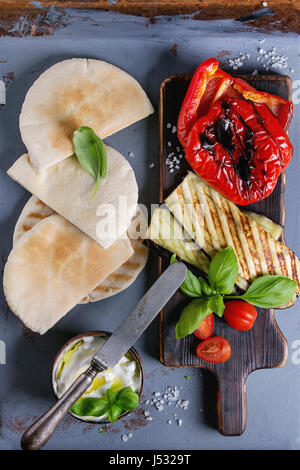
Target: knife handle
(38, 434)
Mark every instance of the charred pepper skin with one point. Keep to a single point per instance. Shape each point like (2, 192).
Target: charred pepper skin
(194, 104)
(233, 135)
(210, 83)
(240, 149)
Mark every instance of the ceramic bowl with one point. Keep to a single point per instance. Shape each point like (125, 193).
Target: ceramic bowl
(62, 351)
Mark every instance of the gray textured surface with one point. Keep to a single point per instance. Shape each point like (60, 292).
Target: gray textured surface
(147, 52)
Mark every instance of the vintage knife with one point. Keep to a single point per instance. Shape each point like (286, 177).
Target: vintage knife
(38, 434)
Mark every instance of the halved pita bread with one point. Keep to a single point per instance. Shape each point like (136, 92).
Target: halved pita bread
(52, 267)
(35, 210)
(74, 93)
(32, 213)
(67, 188)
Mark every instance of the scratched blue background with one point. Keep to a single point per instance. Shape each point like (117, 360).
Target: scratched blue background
(147, 52)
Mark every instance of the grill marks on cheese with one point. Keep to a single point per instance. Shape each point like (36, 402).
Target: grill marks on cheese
(223, 224)
(165, 231)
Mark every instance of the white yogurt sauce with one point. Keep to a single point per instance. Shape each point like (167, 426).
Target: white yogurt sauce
(77, 359)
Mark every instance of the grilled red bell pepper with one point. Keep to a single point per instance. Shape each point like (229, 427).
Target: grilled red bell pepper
(240, 149)
(209, 84)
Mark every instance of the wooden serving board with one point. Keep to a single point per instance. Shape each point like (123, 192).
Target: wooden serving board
(263, 346)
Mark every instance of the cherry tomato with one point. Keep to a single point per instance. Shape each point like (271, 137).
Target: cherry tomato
(240, 315)
(206, 327)
(214, 349)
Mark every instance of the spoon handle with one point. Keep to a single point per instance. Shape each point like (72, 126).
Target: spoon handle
(38, 434)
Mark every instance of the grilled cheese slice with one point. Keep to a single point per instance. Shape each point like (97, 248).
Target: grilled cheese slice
(165, 231)
(214, 222)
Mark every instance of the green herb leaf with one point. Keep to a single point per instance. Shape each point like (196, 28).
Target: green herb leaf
(191, 286)
(223, 270)
(216, 304)
(191, 317)
(90, 407)
(127, 399)
(111, 396)
(173, 259)
(91, 154)
(114, 412)
(187, 377)
(206, 289)
(270, 291)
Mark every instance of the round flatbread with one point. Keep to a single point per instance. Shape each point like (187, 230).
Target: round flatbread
(67, 188)
(35, 210)
(74, 93)
(52, 267)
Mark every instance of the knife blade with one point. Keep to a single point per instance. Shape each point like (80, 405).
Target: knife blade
(108, 355)
(140, 318)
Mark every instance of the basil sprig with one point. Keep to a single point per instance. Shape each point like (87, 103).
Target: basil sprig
(114, 405)
(267, 291)
(91, 154)
(191, 317)
(223, 270)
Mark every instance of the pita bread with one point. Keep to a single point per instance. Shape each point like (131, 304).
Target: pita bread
(35, 210)
(52, 267)
(67, 188)
(74, 93)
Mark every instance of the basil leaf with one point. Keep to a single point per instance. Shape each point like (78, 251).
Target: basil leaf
(114, 412)
(191, 286)
(216, 304)
(91, 153)
(191, 317)
(206, 289)
(270, 291)
(111, 396)
(90, 407)
(223, 270)
(173, 259)
(127, 399)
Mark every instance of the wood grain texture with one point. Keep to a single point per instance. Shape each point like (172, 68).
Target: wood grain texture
(264, 345)
(283, 15)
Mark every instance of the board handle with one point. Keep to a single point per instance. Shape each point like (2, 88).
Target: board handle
(232, 405)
